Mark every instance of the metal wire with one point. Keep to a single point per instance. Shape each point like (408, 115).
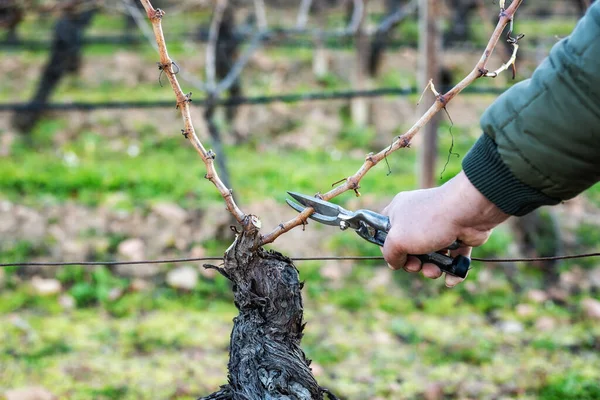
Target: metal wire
(237, 101)
(553, 258)
(169, 261)
(324, 258)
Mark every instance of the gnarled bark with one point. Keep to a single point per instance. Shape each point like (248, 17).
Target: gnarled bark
(266, 361)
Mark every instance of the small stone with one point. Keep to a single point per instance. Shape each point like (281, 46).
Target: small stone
(75, 249)
(164, 237)
(171, 212)
(115, 294)
(510, 391)
(511, 327)
(336, 271)
(537, 296)
(67, 302)
(139, 285)
(132, 249)
(208, 273)
(591, 307)
(394, 387)
(29, 393)
(57, 234)
(594, 277)
(525, 310)
(558, 294)
(6, 206)
(31, 224)
(199, 252)
(9, 219)
(382, 278)
(471, 287)
(545, 324)
(21, 323)
(473, 389)
(6, 141)
(485, 276)
(434, 391)
(184, 278)
(100, 245)
(181, 243)
(382, 338)
(45, 287)
(574, 280)
(317, 369)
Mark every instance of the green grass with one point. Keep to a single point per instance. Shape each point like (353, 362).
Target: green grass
(571, 387)
(86, 170)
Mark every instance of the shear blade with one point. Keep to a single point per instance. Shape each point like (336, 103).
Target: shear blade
(323, 219)
(320, 206)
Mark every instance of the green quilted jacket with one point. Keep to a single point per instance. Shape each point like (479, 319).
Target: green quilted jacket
(541, 141)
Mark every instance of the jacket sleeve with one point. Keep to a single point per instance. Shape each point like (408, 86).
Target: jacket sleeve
(541, 141)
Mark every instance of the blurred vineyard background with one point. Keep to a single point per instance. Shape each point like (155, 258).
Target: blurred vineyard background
(93, 167)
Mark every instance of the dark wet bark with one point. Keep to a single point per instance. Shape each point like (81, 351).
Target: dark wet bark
(381, 37)
(11, 15)
(461, 14)
(65, 57)
(226, 55)
(266, 361)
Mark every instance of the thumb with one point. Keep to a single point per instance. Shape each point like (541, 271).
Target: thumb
(393, 253)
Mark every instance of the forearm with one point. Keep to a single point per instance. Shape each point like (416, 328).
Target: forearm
(543, 135)
(470, 208)
(487, 171)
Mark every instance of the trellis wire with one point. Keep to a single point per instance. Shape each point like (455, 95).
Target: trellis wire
(236, 101)
(321, 258)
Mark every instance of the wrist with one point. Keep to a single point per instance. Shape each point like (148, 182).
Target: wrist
(469, 207)
(486, 169)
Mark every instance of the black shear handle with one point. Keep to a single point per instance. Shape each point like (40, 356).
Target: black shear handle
(457, 266)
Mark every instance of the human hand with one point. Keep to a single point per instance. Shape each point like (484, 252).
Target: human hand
(425, 221)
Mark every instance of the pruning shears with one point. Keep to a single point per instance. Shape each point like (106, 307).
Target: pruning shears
(373, 227)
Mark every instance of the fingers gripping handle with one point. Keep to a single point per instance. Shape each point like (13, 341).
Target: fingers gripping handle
(457, 266)
(374, 228)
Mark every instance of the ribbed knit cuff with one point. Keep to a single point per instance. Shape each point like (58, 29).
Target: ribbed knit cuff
(488, 173)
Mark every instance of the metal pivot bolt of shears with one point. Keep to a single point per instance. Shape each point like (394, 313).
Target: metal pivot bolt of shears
(373, 227)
